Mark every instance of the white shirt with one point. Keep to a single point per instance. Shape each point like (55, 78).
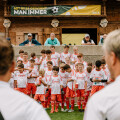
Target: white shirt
(89, 83)
(40, 89)
(64, 78)
(55, 57)
(33, 73)
(17, 106)
(19, 58)
(98, 75)
(48, 74)
(105, 103)
(36, 62)
(44, 64)
(64, 55)
(92, 42)
(70, 76)
(74, 57)
(80, 79)
(21, 79)
(26, 65)
(55, 82)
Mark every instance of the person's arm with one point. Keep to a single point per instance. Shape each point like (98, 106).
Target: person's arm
(46, 42)
(58, 43)
(92, 42)
(43, 83)
(22, 44)
(83, 43)
(36, 42)
(15, 83)
(85, 86)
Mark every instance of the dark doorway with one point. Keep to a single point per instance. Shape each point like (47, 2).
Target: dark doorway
(91, 31)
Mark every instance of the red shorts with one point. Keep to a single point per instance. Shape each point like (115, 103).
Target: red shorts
(95, 89)
(56, 97)
(48, 94)
(80, 92)
(39, 97)
(88, 93)
(64, 89)
(70, 93)
(31, 88)
(23, 90)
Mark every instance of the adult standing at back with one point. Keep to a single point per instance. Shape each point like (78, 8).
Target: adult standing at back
(52, 41)
(87, 41)
(13, 104)
(105, 104)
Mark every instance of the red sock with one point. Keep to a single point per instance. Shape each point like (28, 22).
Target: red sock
(72, 103)
(67, 103)
(83, 104)
(56, 105)
(45, 104)
(79, 104)
(52, 105)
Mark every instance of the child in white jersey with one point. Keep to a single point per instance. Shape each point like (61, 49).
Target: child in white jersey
(41, 88)
(81, 87)
(31, 87)
(56, 86)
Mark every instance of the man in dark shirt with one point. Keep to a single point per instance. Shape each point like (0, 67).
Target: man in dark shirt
(87, 41)
(30, 41)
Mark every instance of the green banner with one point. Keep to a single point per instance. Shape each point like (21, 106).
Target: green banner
(56, 10)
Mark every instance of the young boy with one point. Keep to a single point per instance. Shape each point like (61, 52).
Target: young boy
(20, 81)
(62, 73)
(80, 60)
(25, 60)
(81, 87)
(42, 57)
(48, 58)
(21, 52)
(31, 87)
(55, 56)
(48, 74)
(97, 77)
(70, 93)
(33, 56)
(89, 83)
(74, 55)
(65, 54)
(56, 88)
(41, 88)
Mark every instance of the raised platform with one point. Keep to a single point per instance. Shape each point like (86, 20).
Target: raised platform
(91, 53)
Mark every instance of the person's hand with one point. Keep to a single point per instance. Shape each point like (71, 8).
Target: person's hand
(88, 43)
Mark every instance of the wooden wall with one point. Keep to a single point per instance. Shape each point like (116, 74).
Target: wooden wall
(42, 26)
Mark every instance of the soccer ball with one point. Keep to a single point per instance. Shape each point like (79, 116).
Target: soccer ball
(55, 9)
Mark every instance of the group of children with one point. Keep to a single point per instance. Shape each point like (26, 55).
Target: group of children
(57, 79)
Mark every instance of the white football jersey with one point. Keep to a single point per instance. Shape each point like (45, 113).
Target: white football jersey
(64, 55)
(98, 75)
(19, 58)
(33, 73)
(44, 64)
(80, 79)
(55, 57)
(70, 75)
(40, 89)
(89, 83)
(55, 83)
(64, 78)
(48, 74)
(74, 57)
(21, 79)
(26, 65)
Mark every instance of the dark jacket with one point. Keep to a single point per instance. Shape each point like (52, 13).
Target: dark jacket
(32, 42)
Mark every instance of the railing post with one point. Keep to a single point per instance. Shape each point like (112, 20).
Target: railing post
(5, 7)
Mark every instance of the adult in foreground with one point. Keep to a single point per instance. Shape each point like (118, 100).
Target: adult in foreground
(13, 104)
(30, 41)
(52, 40)
(105, 104)
(87, 41)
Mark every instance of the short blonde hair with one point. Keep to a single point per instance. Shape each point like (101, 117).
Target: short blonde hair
(112, 43)
(75, 47)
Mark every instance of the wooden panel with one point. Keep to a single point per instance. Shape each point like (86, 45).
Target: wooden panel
(12, 35)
